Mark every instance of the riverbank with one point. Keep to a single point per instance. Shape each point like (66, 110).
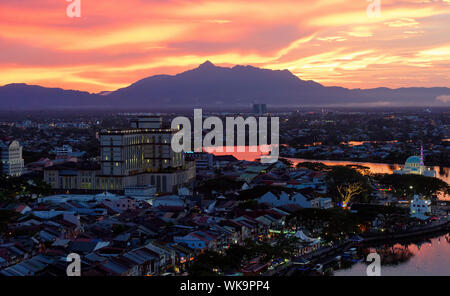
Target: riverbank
(423, 230)
(363, 160)
(442, 173)
(329, 256)
(427, 255)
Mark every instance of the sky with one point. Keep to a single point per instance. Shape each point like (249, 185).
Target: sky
(334, 42)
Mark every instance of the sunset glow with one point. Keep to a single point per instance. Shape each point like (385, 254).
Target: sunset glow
(116, 43)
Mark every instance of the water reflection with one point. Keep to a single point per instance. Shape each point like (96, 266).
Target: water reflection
(250, 154)
(378, 168)
(414, 258)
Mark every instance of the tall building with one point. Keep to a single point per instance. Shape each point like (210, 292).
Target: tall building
(11, 160)
(138, 156)
(147, 121)
(259, 109)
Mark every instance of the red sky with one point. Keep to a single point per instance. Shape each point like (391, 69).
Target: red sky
(116, 43)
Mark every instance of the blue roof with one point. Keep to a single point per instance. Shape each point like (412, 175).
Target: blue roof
(413, 159)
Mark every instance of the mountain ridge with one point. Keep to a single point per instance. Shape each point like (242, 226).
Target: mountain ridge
(209, 85)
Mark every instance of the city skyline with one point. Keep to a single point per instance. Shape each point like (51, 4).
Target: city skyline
(331, 42)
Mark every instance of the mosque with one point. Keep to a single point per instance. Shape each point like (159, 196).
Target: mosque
(414, 165)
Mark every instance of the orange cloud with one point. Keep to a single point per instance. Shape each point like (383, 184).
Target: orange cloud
(333, 42)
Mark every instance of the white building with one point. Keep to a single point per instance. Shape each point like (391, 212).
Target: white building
(130, 158)
(297, 199)
(420, 208)
(415, 165)
(11, 158)
(64, 150)
(142, 155)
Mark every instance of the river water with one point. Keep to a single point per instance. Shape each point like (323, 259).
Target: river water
(442, 173)
(425, 257)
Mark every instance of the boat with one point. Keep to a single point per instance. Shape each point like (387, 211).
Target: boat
(318, 267)
(351, 251)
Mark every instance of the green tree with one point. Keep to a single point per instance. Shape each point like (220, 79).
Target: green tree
(410, 184)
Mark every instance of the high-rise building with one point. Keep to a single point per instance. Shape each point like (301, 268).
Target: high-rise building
(11, 160)
(259, 109)
(146, 121)
(139, 156)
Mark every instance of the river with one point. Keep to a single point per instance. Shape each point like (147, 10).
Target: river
(429, 257)
(443, 173)
(426, 257)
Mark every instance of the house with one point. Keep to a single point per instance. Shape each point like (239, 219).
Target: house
(325, 203)
(184, 256)
(22, 209)
(30, 267)
(420, 208)
(285, 199)
(123, 204)
(145, 259)
(166, 256)
(197, 240)
(121, 266)
(169, 201)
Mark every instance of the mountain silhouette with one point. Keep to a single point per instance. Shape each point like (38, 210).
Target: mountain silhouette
(219, 87)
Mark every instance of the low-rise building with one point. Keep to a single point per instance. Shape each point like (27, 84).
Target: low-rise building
(420, 207)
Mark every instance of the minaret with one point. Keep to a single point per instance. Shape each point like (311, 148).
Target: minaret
(421, 155)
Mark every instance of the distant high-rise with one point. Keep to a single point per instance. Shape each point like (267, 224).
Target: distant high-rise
(146, 121)
(64, 150)
(11, 160)
(259, 108)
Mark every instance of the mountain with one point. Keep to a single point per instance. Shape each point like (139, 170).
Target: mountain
(19, 96)
(221, 87)
(213, 86)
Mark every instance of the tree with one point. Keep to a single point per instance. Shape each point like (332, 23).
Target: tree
(410, 184)
(315, 166)
(347, 192)
(286, 162)
(341, 177)
(222, 185)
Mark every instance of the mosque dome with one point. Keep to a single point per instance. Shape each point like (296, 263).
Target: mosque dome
(413, 161)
